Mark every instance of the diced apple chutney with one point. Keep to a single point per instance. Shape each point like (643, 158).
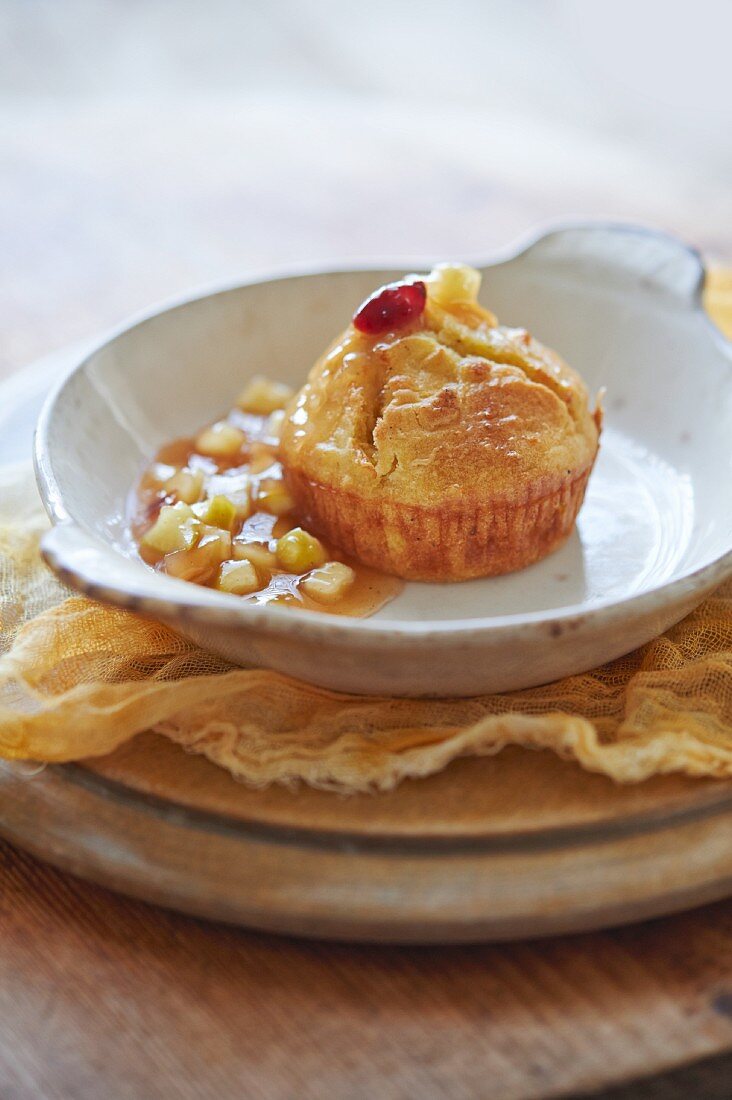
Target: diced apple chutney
(214, 510)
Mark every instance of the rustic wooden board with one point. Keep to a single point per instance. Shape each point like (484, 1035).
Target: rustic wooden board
(522, 844)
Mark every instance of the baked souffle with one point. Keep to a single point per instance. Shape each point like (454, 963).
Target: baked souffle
(435, 444)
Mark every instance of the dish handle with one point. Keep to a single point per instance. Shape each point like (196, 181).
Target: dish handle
(99, 571)
(79, 561)
(103, 572)
(661, 264)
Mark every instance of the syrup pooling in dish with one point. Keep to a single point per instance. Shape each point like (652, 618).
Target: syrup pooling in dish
(214, 510)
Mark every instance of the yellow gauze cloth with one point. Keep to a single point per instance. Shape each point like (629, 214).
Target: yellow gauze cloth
(77, 679)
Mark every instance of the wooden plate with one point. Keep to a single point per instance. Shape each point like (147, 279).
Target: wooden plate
(521, 844)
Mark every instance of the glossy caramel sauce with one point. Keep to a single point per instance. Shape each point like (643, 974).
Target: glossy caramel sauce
(254, 465)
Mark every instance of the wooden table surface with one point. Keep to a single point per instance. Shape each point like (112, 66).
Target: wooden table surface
(102, 211)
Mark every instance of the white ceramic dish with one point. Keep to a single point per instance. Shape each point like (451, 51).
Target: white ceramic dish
(654, 537)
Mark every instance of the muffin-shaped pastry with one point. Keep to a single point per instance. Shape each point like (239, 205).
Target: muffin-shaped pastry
(434, 444)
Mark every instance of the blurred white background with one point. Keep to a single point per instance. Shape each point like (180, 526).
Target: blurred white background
(147, 145)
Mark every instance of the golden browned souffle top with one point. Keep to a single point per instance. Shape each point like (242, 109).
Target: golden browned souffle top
(452, 404)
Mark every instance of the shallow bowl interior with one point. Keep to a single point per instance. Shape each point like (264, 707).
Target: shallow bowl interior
(620, 305)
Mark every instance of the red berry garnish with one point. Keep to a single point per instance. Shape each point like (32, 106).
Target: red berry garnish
(391, 307)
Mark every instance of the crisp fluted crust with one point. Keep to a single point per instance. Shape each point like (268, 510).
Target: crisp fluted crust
(454, 542)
